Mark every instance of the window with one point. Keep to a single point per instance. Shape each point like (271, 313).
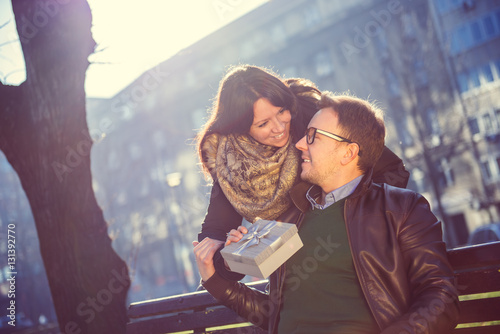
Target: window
(473, 125)
(474, 32)
(487, 124)
(474, 78)
(487, 75)
(478, 76)
(465, 37)
(444, 6)
(489, 27)
(490, 168)
(497, 67)
(477, 34)
(455, 46)
(486, 170)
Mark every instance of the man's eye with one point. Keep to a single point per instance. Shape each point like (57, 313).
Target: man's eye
(282, 110)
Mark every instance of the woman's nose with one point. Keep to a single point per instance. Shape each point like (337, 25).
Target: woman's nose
(279, 125)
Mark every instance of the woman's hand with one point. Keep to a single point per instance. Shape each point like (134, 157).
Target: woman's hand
(204, 253)
(236, 235)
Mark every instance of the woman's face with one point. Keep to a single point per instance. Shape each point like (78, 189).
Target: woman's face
(271, 124)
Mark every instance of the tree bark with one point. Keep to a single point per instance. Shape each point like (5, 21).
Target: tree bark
(44, 135)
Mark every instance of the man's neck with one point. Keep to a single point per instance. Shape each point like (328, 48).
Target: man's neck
(326, 190)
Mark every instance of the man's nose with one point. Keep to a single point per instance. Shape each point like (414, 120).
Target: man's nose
(301, 144)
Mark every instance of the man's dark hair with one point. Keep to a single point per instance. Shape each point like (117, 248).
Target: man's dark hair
(359, 121)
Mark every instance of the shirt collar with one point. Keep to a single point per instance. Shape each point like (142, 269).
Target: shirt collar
(334, 196)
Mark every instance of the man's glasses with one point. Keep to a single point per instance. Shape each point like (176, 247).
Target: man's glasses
(311, 134)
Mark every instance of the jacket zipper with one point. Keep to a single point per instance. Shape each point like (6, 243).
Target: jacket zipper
(357, 266)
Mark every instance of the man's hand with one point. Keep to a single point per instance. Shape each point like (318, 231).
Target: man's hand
(204, 253)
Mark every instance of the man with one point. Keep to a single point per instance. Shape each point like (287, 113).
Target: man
(373, 259)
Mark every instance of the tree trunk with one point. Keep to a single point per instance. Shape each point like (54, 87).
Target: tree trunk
(44, 135)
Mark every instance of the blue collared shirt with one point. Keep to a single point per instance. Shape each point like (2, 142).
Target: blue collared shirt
(336, 195)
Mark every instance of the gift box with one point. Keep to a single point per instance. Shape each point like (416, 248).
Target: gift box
(266, 246)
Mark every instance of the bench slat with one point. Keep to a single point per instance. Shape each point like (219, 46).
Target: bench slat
(474, 256)
(478, 330)
(172, 304)
(485, 280)
(199, 300)
(241, 330)
(211, 318)
(480, 310)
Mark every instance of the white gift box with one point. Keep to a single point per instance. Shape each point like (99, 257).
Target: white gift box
(266, 246)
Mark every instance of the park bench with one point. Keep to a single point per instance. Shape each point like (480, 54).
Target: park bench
(477, 272)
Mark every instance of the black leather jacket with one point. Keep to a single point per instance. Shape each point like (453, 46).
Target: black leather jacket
(221, 217)
(398, 254)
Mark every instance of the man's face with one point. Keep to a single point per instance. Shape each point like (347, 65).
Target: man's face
(321, 159)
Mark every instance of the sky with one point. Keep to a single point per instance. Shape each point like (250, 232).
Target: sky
(132, 36)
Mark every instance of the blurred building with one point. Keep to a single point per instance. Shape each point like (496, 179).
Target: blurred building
(469, 33)
(432, 65)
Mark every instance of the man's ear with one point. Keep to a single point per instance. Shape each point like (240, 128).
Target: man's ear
(351, 153)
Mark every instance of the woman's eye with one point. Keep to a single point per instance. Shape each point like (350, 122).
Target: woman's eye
(282, 110)
(262, 125)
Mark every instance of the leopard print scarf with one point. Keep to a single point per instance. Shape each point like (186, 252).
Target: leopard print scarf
(255, 178)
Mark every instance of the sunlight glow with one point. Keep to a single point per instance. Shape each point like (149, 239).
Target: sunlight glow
(131, 37)
(136, 37)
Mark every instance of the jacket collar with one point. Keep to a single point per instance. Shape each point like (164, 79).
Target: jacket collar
(299, 191)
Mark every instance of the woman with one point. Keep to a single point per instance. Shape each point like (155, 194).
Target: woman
(248, 149)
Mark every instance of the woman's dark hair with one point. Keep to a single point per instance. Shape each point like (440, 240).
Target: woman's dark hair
(242, 86)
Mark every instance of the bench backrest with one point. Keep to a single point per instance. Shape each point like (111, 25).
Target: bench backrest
(477, 271)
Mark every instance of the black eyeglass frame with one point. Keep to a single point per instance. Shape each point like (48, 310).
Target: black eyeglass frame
(328, 134)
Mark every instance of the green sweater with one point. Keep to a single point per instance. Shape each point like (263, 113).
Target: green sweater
(321, 292)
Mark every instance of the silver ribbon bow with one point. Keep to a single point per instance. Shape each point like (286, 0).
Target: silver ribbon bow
(255, 233)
